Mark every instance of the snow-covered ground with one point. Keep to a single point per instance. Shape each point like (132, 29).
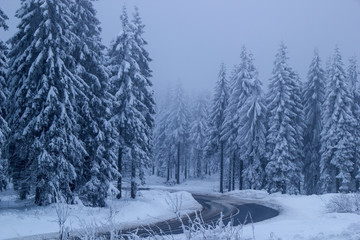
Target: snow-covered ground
(300, 218)
(21, 218)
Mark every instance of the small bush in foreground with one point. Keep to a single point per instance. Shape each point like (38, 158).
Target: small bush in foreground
(344, 203)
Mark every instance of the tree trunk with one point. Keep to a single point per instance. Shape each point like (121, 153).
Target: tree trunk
(229, 175)
(133, 179)
(178, 165)
(337, 181)
(233, 172)
(222, 167)
(240, 174)
(168, 169)
(119, 180)
(198, 164)
(186, 169)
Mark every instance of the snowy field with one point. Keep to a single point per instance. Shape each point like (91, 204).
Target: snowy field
(301, 217)
(21, 219)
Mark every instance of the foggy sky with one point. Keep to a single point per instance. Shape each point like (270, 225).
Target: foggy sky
(188, 39)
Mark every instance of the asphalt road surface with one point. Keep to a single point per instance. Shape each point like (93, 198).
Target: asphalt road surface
(213, 207)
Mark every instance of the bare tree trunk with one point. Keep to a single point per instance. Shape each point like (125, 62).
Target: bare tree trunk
(198, 164)
(133, 179)
(168, 169)
(178, 165)
(222, 167)
(240, 175)
(229, 175)
(186, 169)
(337, 181)
(233, 172)
(119, 180)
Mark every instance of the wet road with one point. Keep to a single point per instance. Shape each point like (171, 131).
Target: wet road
(213, 207)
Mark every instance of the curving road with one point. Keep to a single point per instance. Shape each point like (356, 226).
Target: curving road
(213, 207)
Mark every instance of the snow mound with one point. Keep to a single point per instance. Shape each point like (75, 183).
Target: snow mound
(149, 207)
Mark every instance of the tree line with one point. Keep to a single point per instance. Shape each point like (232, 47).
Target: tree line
(76, 117)
(298, 138)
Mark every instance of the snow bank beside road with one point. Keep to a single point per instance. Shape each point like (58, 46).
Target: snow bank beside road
(301, 218)
(151, 206)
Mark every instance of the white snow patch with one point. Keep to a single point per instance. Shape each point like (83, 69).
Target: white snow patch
(301, 217)
(21, 218)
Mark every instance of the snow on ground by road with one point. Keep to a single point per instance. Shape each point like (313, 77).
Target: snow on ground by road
(21, 218)
(300, 218)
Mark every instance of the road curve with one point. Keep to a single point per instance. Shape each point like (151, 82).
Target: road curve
(213, 207)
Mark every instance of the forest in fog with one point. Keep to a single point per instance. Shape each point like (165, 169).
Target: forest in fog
(300, 137)
(78, 120)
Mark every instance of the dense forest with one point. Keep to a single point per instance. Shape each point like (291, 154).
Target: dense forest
(78, 120)
(301, 137)
(73, 113)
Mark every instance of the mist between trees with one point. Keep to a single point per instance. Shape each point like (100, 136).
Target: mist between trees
(78, 119)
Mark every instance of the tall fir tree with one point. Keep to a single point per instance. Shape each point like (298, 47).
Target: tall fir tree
(99, 167)
(4, 128)
(240, 91)
(198, 136)
(337, 137)
(284, 135)
(179, 127)
(133, 106)
(252, 132)
(162, 146)
(217, 116)
(44, 149)
(145, 93)
(313, 98)
(352, 74)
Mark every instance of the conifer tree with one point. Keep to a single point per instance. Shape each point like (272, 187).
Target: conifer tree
(4, 128)
(313, 97)
(179, 127)
(352, 74)
(283, 169)
(217, 117)
(198, 136)
(252, 132)
(99, 167)
(337, 137)
(44, 149)
(162, 147)
(240, 91)
(133, 104)
(145, 94)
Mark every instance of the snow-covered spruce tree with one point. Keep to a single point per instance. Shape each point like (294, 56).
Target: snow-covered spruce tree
(240, 91)
(352, 74)
(44, 148)
(4, 128)
(284, 134)
(133, 104)
(313, 97)
(251, 134)
(217, 116)
(337, 136)
(99, 168)
(179, 127)
(162, 147)
(145, 93)
(198, 136)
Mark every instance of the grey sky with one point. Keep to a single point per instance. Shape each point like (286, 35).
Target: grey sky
(188, 39)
